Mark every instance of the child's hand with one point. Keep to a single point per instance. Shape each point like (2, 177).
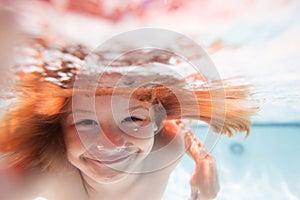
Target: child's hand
(204, 181)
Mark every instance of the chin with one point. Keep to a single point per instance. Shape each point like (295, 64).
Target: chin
(112, 178)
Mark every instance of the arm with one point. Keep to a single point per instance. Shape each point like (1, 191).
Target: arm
(204, 180)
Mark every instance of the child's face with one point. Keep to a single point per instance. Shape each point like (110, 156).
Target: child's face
(106, 136)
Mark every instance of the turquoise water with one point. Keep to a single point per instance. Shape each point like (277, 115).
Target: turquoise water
(266, 165)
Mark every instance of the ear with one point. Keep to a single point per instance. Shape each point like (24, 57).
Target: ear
(158, 127)
(158, 115)
(155, 128)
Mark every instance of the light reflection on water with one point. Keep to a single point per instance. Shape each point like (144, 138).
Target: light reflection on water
(268, 168)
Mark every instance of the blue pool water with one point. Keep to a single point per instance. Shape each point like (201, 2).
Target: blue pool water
(266, 165)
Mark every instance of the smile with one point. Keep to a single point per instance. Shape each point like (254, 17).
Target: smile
(110, 160)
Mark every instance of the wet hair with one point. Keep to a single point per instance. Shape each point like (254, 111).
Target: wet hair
(31, 134)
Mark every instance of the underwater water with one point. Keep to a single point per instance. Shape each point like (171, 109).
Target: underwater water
(259, 40)
(263, 166)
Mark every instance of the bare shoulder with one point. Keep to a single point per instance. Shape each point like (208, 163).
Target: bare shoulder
(58, 186)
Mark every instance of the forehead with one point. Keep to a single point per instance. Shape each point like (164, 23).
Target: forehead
(117, 103)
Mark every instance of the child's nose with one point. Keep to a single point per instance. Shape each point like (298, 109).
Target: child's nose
(115, 139)
(111, 137)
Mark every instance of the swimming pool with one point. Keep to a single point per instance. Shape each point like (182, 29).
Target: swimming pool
(260, 42)
(264, 166)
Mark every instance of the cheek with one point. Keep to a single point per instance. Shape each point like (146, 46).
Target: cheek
(149, 145)
(73, 143)
(144, 139)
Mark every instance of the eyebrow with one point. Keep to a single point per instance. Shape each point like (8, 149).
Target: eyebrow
(82, 111)
(91, 112)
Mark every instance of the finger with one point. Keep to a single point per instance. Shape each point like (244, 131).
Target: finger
(211, 187)
(215, 180)
(194, 193)
(203, 197)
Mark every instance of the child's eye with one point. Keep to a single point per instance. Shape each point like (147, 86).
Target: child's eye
(132, 119)
(86, 122)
